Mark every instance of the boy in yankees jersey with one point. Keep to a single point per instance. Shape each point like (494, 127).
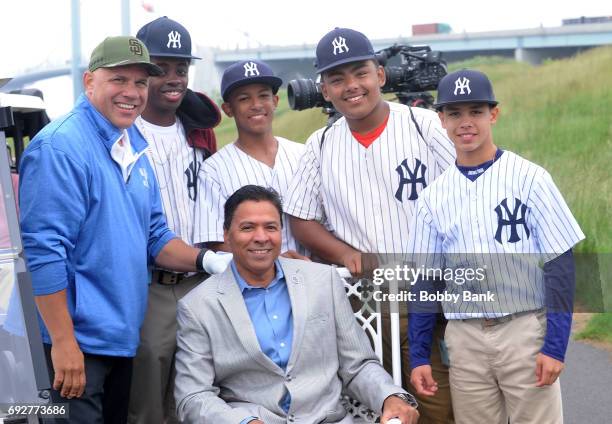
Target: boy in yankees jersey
(178, 125)
(496, 207)
(362, 175)
(257, 157)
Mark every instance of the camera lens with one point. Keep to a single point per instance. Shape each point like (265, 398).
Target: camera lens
(303, 94)
(395, 77)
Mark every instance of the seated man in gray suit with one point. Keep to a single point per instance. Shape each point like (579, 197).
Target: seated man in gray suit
(274, 340)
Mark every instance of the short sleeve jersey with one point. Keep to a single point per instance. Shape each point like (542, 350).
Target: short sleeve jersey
(175, 164)
(366, 196)
(231, 168)
(508, 221)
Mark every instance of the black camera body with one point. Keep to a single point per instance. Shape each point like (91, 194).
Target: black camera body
(420, 71)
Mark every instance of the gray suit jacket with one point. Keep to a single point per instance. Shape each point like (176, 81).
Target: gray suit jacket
(224, 377)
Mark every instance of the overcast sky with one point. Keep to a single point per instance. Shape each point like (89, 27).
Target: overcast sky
(36, 34)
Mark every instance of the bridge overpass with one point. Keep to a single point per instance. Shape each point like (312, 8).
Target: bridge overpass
(531, 45)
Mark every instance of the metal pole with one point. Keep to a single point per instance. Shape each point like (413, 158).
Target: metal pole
(77, 83)
(125, 17)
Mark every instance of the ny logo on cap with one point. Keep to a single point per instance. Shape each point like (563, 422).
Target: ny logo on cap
(250, 69)
(462, 84)
(174, 38)
(339, 45)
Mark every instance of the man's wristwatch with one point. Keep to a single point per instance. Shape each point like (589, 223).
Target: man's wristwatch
(408, 398)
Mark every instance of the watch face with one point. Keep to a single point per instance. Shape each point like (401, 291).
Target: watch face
(409, 399)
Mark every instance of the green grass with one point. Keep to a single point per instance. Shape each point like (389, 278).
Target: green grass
(598, 328)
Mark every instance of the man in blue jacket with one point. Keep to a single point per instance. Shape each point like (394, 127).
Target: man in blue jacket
(92, 223)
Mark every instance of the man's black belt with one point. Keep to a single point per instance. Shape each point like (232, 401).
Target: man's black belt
(167, 278)
(491, 322)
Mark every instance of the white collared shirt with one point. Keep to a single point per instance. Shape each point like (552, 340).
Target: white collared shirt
(123, 153)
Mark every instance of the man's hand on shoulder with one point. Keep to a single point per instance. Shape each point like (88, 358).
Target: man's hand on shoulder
(394, 407)
(422, 380)
(292, 254)
(547, 370)
(359, 264)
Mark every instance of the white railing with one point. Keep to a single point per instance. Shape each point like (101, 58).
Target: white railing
(369, 316)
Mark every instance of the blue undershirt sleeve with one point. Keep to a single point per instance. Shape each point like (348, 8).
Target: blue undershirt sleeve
(421, 323)
(560, 284)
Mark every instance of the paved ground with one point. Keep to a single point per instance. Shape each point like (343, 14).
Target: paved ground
(586, 385)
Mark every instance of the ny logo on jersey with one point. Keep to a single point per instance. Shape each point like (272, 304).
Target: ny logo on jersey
(412, 179)
(513, 220)
(339, 45)
(192, 179)
(174, 38)
(462, 84)
(250, 69)
(145, 177)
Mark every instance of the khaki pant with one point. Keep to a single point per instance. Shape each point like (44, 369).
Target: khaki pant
(152, 392)
(492, 374)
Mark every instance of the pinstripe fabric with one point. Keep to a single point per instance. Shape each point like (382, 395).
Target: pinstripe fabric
(355, 189)
(172, 160)
(456, 225)
(224, 377)
(231, 168)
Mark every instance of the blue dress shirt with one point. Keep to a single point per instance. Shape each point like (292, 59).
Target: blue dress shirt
(271, 315)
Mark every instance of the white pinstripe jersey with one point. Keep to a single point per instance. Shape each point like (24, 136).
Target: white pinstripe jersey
(367, 195)
(172, 160)
(231, 168)
(509, 220)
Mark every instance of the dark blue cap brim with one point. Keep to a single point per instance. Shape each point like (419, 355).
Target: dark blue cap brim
(274, 82)
(345, 61)
(180, 56)
(439, 106)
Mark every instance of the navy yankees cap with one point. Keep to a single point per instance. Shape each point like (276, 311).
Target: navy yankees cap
(465, 86)
(166, 38)
(340, 46)
(248, 72)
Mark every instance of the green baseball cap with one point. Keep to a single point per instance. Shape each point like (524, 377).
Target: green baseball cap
(122, 51)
